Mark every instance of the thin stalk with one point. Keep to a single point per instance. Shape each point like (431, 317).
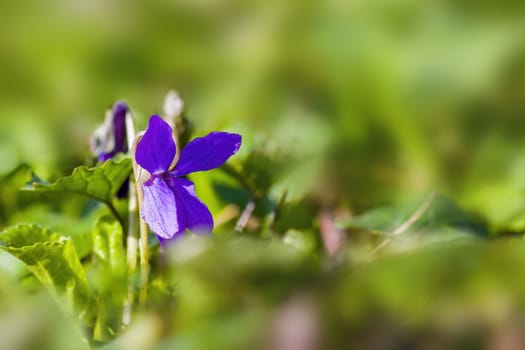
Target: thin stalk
(131, 244)
(276, 211)
(144, 262)
(116, 215)
(131, 253)
(245, 216)
(143, 234)
(254, 196)
(410, 221)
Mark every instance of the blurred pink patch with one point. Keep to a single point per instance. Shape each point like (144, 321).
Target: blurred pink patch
(296, 326)
(333, 237)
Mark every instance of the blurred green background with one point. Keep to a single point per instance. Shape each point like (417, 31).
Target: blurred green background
(397, 95)
(360, 104)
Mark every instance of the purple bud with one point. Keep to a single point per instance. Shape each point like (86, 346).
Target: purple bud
(110, 138)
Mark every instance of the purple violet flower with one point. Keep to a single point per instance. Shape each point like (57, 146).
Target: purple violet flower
(170, 203)
(110, 138)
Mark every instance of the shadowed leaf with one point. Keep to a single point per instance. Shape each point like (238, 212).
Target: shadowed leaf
(441, 214)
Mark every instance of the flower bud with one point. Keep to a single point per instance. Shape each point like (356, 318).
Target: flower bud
(110, 138)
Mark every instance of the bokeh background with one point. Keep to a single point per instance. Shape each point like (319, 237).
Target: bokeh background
(365, 103)
(399, 94)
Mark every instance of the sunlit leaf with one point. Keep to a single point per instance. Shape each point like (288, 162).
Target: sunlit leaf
(109, 276)
(107, 244)
(77, 228)
(53, 260)
(101, 182)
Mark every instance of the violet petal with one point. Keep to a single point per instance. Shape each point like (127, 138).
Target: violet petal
(156, 150)
(208, 152)
(161, 210)
(197, 216)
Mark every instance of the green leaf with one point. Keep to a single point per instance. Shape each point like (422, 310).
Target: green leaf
(9, 191)
(101, 182)
(257, 172)
(53, 260)
(294, 215)
(107, 245)
(78, 228)
(109, 276)
(442, 213)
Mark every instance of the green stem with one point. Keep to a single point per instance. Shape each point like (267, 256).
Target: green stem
(143, 241)
(116, 215)
(131, 253)
(131, 245)
(144, 262)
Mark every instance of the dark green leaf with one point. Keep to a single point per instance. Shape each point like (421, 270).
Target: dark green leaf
(9, 190)
(257, 172)
(442, 213)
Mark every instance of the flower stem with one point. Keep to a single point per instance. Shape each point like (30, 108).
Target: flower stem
(131, 252)
(131, 244)
(144, 262)
(116, 214)
(143, 234)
